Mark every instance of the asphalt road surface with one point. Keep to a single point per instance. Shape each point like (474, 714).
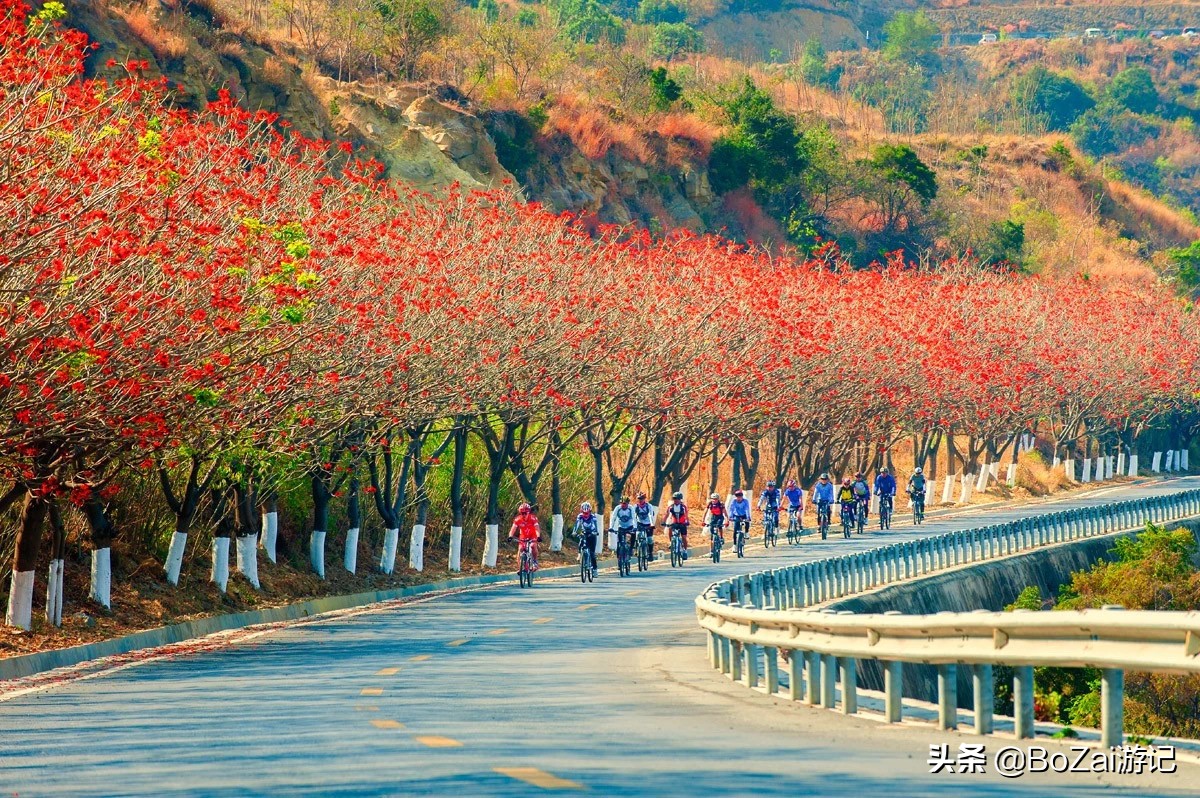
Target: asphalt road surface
(601, 687)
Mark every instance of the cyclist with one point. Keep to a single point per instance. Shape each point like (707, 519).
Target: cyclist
(525, 526)
(795, 498)
(715, 515)
(885, 486)
(769, 498)
(847, 497)
(622, 522)
(916, 487)
(677, 519)
(643, 516)
(823, 491)
(587, 529)
(862, 492)
(739, 512)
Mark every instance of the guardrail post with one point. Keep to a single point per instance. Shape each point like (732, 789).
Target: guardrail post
(1023, 701)
(712, 649)
(849, 685)
(722, 654)
(751, 653)
(1112, 701)
(892, 682)
(735, 660)
(812, 676)
(985, 698)
(795, 675)
(828, 680)
(947, 682)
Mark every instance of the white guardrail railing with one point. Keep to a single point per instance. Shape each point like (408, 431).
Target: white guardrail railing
(765, 613)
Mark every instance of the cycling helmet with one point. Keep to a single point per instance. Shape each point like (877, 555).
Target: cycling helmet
(624, 500)
(642, 496)
(825, 475)
(586, 507)
(846, 481)
(883, 470)
(738, 493)
(791, 483)
(677, 495)
(859, 475)
(714, 497)
(918, 471)
(524, 509)
(770, 483)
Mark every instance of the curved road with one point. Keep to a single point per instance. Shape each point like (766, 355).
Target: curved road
(603, 687)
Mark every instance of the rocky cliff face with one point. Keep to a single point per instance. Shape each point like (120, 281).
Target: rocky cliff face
(426, 136)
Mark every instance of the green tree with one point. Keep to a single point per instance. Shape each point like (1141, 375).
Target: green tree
(408, 29)
(1186, 264)
(1054, 99)
(1005, 243)
(589, 21)
(909, 36)
(527, 18)
(653, 12)
(1108, 129)
(490, 10)
(813, 66)
(669, 40)
(664, 91)
(1133, 89)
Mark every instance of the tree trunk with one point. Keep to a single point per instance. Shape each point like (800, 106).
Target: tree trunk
(353, 523)
(316, 542)
(556, 519)
(102, 534)
(25, 556)
(270, 526)
(456, 496)
(54, 583)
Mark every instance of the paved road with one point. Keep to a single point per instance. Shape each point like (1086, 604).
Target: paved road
(490, 692)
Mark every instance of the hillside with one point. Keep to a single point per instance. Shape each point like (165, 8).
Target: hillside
(659, 140)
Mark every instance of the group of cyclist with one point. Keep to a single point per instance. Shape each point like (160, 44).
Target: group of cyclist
(633, 522)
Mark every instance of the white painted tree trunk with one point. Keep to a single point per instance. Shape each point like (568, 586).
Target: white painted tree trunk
(1056, 462)
(612, 541)
(874, 506)
(1070, 469)
(102, 577)
(599, 548)
(54, 590)
(456, 548)
(20, 601)
(416, 548)
(556, 532)
(270, 525)
(964, 493)
(1087, 470)
(1121, 463)
(1133, 465)
(995, 468)
(220, 563)
(247, 558)
(387, 560)
(1156, 463)
(1169, 461)
(316, 552)
(1010, 478)
(982, 479)
(948, 490)
(491, 546)
(350, 559)
(1112, 466)
(175, 556)
(1184, 455)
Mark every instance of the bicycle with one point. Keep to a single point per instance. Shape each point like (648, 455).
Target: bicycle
(795, 526)
(624, 552)
(739, 536)
(824, 517)
(645, 549)
(714, 529)
(525, 570)
(676, 548)
(918, 506)
(770, 527)
(861, 513)
(587, 561)
(849, 519)
(885, 512)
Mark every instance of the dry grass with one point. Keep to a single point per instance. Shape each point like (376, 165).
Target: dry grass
(1036, 477)
(698, 133)
(165, 44)
(275, 72)
(231, 49)
(594, 131)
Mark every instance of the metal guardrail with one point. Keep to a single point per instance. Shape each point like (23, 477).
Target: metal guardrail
(765, 612)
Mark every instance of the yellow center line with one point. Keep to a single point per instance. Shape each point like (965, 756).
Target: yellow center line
(371, 691)
(420, 658)
(434, 741)
(539, 778)
(462, 641)
(543, 620)
(587, 606)
(635, 592)
(365, 708)
(387, 672)
(498, 631)
(387, 724)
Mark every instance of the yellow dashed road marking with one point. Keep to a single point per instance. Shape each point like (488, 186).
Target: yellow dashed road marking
(371, 691)
(539, 778)
(460, 642)
(543, 620)
(365, 708)
(498, 631)
(438, 742)
(420, 658)
(387, 724)
(635, 592)
(587, 606)
(387, 672)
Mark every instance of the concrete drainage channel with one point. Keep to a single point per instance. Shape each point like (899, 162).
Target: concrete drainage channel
(751, 619)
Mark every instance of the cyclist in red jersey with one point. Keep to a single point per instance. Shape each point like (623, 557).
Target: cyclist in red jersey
(677, 519)
(525, 526)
